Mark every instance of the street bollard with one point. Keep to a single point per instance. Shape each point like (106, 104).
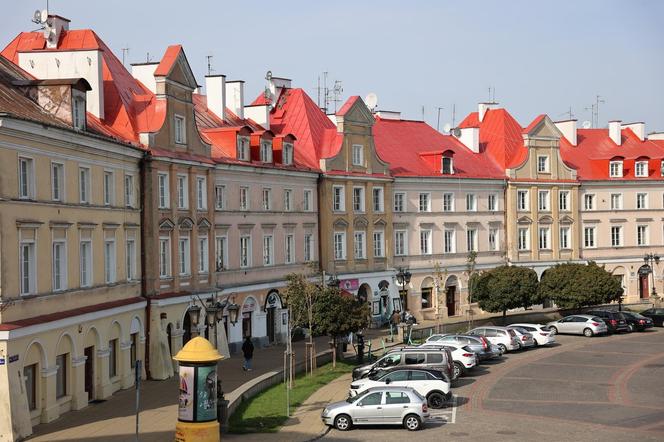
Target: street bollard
(197, 407)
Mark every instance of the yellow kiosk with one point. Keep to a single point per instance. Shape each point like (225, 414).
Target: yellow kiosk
(197, 407)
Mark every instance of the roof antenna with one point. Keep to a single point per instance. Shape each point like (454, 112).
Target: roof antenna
(453, 114)
(147, 58)
(422, 112)
(438, 121)
(125, 51)
(337, 90)
(209, 64)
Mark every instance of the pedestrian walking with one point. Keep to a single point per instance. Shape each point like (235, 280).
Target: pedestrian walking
(248, 351)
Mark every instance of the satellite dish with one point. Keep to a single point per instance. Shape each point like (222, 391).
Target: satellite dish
(371, 100)
(36, 17)
(456, 132)
(44, 15)
(268, 76)
(586, 124)
(447, 127)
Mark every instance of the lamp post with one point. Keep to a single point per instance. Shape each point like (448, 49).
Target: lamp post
(214, 313)
(652, 259)
(403, 279)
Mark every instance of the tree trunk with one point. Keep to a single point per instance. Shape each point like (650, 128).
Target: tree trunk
(334, 352)
(504, 318)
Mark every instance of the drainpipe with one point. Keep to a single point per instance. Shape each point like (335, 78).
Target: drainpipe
(144, 286)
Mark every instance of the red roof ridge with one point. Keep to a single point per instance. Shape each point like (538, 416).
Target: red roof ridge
(168, 60)
(347, 105)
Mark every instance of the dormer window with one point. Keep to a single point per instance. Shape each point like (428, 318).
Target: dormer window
(447, 166)
(358, 155)
(641, 169)
(287, 154)
(243, 148)
(78, 113)
(266, 151)
(179, 129)
(616, 169)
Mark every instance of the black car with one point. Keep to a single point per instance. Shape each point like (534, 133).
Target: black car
(656, 314)
(615, 321)
(636, 321)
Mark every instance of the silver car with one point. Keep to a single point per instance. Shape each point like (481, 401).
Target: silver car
(379, 406)
(525, 338)
(586, 325)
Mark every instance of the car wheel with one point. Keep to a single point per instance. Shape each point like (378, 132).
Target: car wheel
(457, 370)
(342, 422)
(588, 333)
(631, 327)
(503, 348)
(553, 331)
(436, 400)
(412, 422)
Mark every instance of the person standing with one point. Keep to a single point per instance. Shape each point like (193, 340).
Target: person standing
(248, 352)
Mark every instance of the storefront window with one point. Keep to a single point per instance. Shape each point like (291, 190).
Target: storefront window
(426, 297)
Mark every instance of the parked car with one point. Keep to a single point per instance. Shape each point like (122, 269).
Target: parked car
(587, 325)
(503, 337)
(656, 314)
(478, 344)
(525, 338)
(437, 358)
(540, 333)
(429, 383)
(637, 322)
(379, 405)
(615, 321)
(463, 357)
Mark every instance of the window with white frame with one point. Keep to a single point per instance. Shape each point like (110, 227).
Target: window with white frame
(641, 169)
(26, 178)
(563, 200)
(180, 137)
(221, 252)
(449, 241)
(471, 240)
(523, 238)
(78, 113)
(522, 200)
(471, 202)
(244, 198)
(399, 202)
(243, 148)
(184, 256)
(28, 272)
(616, 201)
(57, 181)
(129, 190)
(544, 238)
(642, 235)
(308, 201)
(400, 243)
(164, 257)
(164, 195)
(266, 151)
(308, 247)
(543, 201)
(359, 245)
(447, 165)
(616, 236)
(378, 244)
(289, 249)
(84, 185)
(565, 237)
(492, 202)
(288, 200)
(203, 254)
(542, 164)
(108, 188)
(267, 198)
(109, 261)
(448, 202)
(425, 242)
(61, 375)
(59, 265)
(425, 202)
(358, 199)
(268, 250)
(641, 200)
(493, 239)
(589, 202)
(245, 251)
(85, 262)
(358, 155)
(378, 200)
(287, 154)
(182, 184)
(201, 193)
(130, 259)
(589, 237)
(338, 199)
(615, 169)
(219, 197)
(339, 245)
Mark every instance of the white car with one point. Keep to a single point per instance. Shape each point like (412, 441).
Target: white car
(503, 337)
(429, 383)
(526, 339)
(462, 356)
(540, 333)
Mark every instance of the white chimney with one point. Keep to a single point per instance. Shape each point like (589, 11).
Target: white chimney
(568, 128)
(275, 85)
(215, 90)
(656, 136)
(614, 131)
(235, 97)
(470, 137)
(639, 129)
(53, 29)
(259, 113)
(483, 107)
(389, 115)
(144, 72)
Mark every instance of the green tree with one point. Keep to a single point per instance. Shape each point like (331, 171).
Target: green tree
(300, 296)
(504, 288)
(577, 285)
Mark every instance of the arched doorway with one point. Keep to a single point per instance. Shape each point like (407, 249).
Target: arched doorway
(452, 295)
(364, 296)
(186, 328)
(426, 291)
(169, 336)
(248, 309)
(272, 305)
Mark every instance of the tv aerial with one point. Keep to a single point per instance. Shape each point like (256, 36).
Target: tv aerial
(586, 124)
(371, 100)
(40, 16)
(447, 128)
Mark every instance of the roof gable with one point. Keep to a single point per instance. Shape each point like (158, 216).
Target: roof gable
(174, 66)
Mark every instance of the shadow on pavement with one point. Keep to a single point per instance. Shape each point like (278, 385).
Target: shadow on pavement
(462, 382)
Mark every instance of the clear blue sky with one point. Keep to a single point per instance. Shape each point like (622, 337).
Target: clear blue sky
(541, 57)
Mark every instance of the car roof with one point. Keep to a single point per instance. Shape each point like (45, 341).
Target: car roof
(410, 367)
(387, 387)
(528, 324)
(495, 327)
(583, 316)
(425, 349)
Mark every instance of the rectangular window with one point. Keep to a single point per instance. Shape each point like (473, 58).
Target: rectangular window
(78, 113)
(544, 238)
(287, 154)
(268, 250)
(243, 148)
(61, 376)
(84, 184)
(28, 269)
(492, 203)
(289, 252)
(184, 256)
(542, 164)
(471, 202)
(563, 200)
(164, 257)
(30, 376)
(308, 205)
(378, 244)
(85, 256)
(641, 200)
(522, 200)
(524, 238)
(471, 240)
(183, 191)
(493, 240)
(203, 254)
(164, 194)
(339, 199)
(339, 245)
(400, 243)
(449, 241)
(129, 190)
(59, 266)
(642, 235)
(112, 358)
(245, 251)
(179, 130)
(288, 200)
(400, 202)
(616, 201)
(308, 247)
(26, 178)
(57, 181)
(221, 251)
(358, 199)
(244, 198)
(201, 193)
(266, 151)
(130, 259)
(589, 237)
(109, 261)
(358, 155)
(564, 238)
(425, 202)
(267, 198)
(616, 236)
(108, 188)
(589, 202)
(543, 200)
(447, 166)
(641, 169)
(448, 202)
(425, 242)
(219, 197)
(378, 200)
(359, 245)
(616, 169)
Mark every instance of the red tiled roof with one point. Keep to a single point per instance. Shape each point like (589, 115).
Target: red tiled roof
(347, 105)
(167, 61)
(534, 123)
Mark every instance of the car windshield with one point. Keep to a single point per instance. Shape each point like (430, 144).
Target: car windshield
(350, 400)
(596, 319)
(377, 374)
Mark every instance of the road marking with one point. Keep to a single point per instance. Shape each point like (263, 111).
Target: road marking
(447, 415)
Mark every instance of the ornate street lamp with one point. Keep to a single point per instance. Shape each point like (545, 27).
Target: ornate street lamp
(211, 313)
(194, 315)
(233, 310)
(651, 260)
(403, 277)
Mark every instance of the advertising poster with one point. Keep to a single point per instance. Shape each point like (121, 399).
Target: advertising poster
(186, 402)
(207, 394)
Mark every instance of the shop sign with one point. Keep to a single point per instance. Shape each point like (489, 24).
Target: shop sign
(349, 284)
(13, 358)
